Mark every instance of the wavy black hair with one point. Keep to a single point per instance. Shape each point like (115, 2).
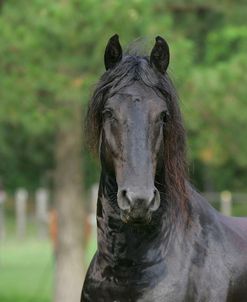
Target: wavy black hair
(138, 68)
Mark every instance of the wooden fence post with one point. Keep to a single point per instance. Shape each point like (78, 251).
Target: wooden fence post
(93, 203)
(2, 217)
(226, 203)
(41, 209)
(21, 208)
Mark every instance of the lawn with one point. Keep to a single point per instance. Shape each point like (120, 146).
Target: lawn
(26, 270)
(27, 267)
(239, 208)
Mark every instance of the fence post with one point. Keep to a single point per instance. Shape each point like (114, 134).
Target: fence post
(93, 205)
(21, 208)
(226, 203)
(2, 217)
(94, 197)
(41, 208)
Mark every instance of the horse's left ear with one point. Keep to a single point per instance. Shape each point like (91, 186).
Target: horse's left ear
(160, 55)
(113, 52)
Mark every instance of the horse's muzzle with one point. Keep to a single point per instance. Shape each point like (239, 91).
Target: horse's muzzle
(137, 205)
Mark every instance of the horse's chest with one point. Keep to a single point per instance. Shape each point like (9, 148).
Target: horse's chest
(189, 284)
(156, 286)
(110, 291)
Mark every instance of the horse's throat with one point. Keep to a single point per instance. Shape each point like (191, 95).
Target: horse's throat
(123, 245)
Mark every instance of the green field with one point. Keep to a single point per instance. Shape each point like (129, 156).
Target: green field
(239, 209)
(27, 267)
(26, 270)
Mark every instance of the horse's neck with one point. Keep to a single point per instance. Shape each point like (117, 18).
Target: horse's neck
(120, 243)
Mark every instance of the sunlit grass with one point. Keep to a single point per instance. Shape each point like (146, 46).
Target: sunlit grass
(26, 271)
(27, 267)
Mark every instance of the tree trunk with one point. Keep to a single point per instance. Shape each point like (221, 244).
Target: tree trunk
(68, 197)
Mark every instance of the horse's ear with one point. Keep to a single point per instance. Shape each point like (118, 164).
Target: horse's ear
(113, 52)
(160, 55)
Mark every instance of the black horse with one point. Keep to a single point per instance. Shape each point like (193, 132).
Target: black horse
(158, 239)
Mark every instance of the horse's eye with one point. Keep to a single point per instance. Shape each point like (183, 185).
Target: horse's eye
(107, 114)
(164, 116)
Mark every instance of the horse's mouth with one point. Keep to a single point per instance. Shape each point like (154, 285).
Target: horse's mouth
(135, 221)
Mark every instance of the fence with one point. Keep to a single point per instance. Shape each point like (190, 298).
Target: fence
(229, 203)
(18, 207)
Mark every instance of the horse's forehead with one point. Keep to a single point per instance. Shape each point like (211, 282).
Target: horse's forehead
(137, 94)
(138, 89)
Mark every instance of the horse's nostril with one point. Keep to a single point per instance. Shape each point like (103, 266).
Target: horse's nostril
(124, 193)
(138, 200)
(123, 200)
(155, 201)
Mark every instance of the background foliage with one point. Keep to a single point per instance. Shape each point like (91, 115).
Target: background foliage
(51, 56)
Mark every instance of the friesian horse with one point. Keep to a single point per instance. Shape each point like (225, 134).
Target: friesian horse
(158, 239)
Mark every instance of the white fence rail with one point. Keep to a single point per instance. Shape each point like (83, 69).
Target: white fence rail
(224, 201)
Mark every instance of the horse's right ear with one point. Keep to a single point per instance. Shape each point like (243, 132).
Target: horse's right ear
(113, 52)
(160, 55)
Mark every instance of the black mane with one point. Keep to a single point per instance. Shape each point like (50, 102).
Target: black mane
(187, 251)
(137, 68)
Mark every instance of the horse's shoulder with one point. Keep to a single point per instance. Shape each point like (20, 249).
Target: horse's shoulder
(235, 229)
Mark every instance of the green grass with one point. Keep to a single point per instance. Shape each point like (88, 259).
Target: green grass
(27, 267)
(26, 271)
(91, 248)
(238, 209)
